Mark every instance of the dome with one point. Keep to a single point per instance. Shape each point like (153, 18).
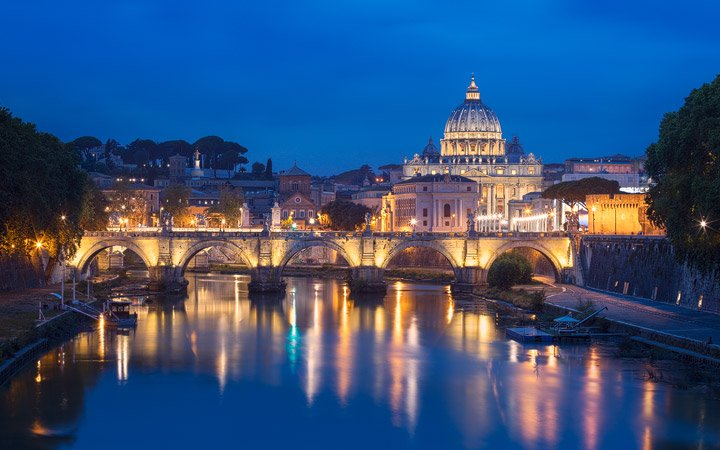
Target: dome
(430, 149)
(473, 115)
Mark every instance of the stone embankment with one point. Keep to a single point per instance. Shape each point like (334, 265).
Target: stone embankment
(646, 267)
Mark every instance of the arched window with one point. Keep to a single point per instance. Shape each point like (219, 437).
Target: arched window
(446, 210)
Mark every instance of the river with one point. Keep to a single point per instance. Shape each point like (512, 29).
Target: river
(320, 369)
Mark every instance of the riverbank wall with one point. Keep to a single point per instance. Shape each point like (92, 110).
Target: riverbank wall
(39, 339)
(645, 266)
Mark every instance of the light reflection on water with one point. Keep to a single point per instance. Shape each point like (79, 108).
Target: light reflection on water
(320, 368)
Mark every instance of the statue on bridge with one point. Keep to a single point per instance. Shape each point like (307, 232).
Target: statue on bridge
(471, 223)
(166, 221)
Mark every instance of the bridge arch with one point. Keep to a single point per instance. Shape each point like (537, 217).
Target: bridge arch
(302, 245)
(93, 251)
(202, 245)
(544, 251)
(399, 248)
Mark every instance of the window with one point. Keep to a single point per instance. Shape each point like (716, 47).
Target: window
(446, 210)
(469, 188)
(295, 186)
(310, 212)
(425, 212)
(302, 213)
(531, 170)
(513, 172)
(285, 214)
(424, 223)
(500, 170)
(424, 188)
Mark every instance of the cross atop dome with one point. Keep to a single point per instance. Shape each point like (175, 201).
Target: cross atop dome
(472, 92)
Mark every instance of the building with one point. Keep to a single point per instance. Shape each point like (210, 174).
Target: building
(628, 172)
(473, 147)
(133, 204)
(437, 202)
(619, 214)
(372, 196)
(295, 201)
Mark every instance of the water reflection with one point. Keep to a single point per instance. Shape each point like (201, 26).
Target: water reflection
(321, 367)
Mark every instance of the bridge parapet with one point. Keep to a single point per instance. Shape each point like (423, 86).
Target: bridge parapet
(168, 253)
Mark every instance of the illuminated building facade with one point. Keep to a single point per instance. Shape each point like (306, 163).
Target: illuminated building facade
(473, 147)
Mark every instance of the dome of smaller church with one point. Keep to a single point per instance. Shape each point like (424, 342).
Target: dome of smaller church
(430, 149)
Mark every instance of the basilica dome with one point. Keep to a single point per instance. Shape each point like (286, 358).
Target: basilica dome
(472, 128)
(472, 115)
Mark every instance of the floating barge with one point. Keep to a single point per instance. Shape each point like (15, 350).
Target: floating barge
(529, 334)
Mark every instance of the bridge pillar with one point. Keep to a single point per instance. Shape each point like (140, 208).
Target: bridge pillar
(167, 278)
(266, 279)
(467, 278)
(368, 279)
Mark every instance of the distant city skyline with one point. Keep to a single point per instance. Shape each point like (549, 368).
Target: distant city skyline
(333, 86)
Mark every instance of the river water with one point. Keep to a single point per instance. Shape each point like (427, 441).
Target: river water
(320, 369)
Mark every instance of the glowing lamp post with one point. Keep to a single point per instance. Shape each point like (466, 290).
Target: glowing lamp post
(413, 222)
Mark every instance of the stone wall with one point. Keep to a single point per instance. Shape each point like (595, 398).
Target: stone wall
(646, 267)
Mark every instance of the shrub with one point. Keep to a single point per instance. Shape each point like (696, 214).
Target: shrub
(509, 269)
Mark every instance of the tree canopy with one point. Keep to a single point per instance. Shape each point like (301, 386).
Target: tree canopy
(175, 201)
(43, 190)
(684, 167)
(509, 269)
(229, 205)
(343, 215)
(575, 192)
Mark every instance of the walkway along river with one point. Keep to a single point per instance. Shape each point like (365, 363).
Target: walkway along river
(318, 368)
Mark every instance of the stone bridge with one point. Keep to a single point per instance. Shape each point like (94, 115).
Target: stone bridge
(168, 253)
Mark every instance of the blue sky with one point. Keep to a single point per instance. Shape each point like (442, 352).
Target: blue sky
(334, 84)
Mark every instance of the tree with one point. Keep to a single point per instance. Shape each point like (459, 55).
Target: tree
(229, 205)
(41, 193)
(269, 169)
(684, 166)
(220, 153)
(175, 201)
(509, 269)
(575, 192)
(95, 208)
(139, 151)
(343, 215)
(258, 169)
(126, 202)
(85, 143)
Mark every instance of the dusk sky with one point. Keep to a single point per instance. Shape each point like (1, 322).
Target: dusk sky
(337, 84)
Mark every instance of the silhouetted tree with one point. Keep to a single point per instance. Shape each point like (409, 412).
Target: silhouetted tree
(684, 166)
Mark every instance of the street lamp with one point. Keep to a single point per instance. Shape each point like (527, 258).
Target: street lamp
(413, 222)
(594, 208)
(703, 224)
(222, 225)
